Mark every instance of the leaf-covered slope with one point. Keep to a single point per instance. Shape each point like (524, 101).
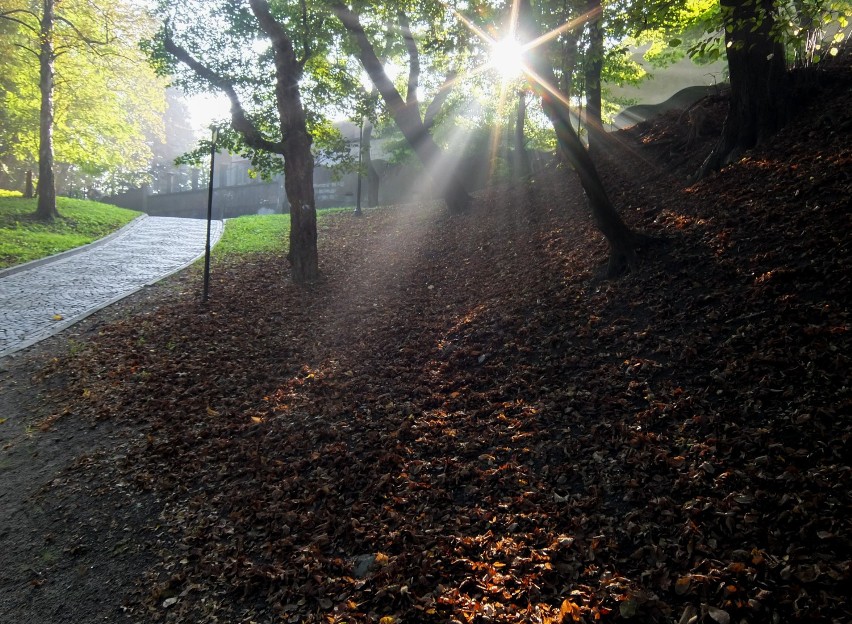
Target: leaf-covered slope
(461, 423)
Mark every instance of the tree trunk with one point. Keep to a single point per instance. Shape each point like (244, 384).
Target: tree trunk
(373, 180)
(593, 69)
(406, 113)
(295, 143)
(29, 192)
(522, 158)
(46, 207)
(758, 75)
(296, 149)
(623, 242)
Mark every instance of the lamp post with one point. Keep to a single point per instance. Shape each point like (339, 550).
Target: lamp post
(213, 139)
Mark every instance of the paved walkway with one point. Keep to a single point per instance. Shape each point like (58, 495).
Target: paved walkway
(42, 298)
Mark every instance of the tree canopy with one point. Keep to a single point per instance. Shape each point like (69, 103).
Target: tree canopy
(107, 102)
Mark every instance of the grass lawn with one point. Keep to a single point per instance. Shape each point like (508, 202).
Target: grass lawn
(22, 238)
(259, 233)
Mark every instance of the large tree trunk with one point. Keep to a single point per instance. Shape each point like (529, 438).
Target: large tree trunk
(295, 147)
(299, 186)
(593, 69)
(758, 75)
(46, 207)
(295, 142)
(623, 242)
(405, 113)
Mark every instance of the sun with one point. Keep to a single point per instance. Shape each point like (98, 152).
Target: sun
(507, 58)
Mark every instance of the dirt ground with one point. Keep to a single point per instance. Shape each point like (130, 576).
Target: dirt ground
(67, 553)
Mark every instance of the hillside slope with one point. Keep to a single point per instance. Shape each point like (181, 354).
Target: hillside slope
(463, 423)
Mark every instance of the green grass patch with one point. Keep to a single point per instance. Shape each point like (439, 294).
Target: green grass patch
(23, 238)
(256, 234)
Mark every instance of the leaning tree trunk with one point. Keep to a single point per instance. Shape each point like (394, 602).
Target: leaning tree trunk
(623, 241)
(405, 113)
(758, 76)
(46, 207)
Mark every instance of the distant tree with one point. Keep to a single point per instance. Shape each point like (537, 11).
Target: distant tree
(42, 28)
(88, 99)
(414, 125)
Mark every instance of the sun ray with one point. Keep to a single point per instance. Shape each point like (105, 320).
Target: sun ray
(497, 133)
(569, 25)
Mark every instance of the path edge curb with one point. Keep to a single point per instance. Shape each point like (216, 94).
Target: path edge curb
(66, 323)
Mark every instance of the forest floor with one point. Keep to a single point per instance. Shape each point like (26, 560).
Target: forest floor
(462, 422)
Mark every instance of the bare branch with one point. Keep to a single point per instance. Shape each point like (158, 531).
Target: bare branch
(87, 40)
(28, 49)
(239, 121)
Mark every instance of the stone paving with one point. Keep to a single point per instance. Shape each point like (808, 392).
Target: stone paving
(41, 299)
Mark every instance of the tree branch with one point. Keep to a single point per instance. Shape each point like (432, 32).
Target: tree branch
(28, 49)
(372, 65)
(7, 16)
(306, 39)
(87, 40)
(413, 58)
(439, 100)
(239, 121)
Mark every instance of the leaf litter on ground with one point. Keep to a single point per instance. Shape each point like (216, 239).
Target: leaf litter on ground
(461, 422)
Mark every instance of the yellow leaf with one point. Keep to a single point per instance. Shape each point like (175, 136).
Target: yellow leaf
(570, 608)
(211, 411)
(57, 317)
(388, 619)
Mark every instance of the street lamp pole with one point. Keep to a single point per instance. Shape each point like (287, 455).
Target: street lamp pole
(206, 294)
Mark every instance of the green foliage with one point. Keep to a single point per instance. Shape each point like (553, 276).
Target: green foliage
(807, 28)
(23, 238)
(231, 44)
(108, 103)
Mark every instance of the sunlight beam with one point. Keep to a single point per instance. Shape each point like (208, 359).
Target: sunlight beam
(569, 25)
